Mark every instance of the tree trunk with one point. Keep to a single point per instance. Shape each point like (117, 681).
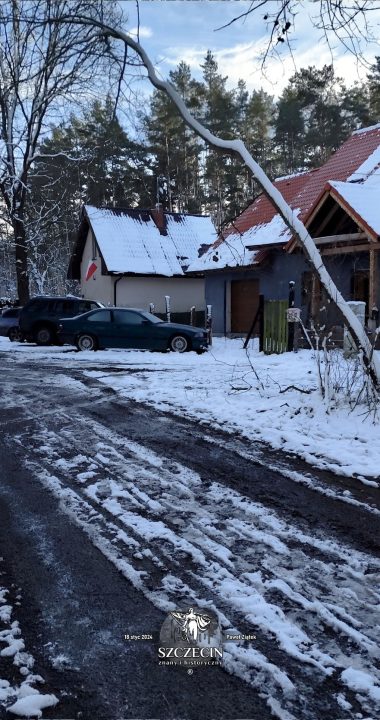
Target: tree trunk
(21, 261)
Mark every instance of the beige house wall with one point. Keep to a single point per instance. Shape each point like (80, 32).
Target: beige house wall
(140, 291)
(98, 287)
(183, 292)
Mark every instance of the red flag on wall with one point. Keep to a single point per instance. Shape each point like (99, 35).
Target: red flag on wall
(92, 267)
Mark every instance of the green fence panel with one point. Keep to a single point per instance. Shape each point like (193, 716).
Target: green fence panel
(275, 326)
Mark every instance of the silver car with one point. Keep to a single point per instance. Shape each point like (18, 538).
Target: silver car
(9, 324)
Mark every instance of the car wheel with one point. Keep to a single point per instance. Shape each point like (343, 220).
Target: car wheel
(179, 343)
(44, 335)
(86, 342)
(15, 334)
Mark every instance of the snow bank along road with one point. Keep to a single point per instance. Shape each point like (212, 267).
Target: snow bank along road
(113, 513)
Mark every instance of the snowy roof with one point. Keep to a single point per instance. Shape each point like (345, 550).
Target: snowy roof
(363, 200)
(239, 250)
(130, 241)
(359, 195)
(369, 167)
(259, 225)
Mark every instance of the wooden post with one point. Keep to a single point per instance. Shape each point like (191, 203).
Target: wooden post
(290, 346)
(258, 315)
(296, 336)
(373, 282)
(315, 297)
(261, 323)
(192, 315)
(151, 308)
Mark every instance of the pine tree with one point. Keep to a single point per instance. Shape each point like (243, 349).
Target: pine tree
(90, 160)
(289, 134)
(219, 114)
(320, 94)
(356, 107)
(258, 134)
(175, 149)
(374, 91)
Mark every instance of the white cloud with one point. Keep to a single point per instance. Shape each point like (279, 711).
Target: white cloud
(244, 61)
(143, 31)
(240, 48)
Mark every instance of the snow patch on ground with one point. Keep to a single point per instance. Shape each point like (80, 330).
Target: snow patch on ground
(360, 681)
(258, 396)
(222, 389)
(312, 598)
(19, 698)
(32, 705)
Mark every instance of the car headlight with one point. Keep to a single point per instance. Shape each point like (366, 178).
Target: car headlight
(200, 335)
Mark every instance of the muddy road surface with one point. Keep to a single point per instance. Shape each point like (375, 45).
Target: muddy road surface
(113, 514)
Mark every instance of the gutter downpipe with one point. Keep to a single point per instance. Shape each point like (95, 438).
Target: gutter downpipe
(115, 289)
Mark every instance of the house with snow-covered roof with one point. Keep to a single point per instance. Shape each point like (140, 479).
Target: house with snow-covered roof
(134, 257)
(256, 253)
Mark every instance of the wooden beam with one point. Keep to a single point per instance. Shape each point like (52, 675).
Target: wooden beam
(315, 296)
(327, 217)
(358, 220)
(347, 237)
(373, 279)
(364, 247)
(316, 209)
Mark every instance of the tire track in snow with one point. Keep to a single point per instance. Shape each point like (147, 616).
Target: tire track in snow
(124, 471)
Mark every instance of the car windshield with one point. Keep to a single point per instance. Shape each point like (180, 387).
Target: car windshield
(151, 318)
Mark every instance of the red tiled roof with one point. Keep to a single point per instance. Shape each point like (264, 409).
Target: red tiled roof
(261, 211)
(340, 166)
(301, 191)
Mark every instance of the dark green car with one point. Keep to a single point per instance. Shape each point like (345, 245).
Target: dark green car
(129, 328)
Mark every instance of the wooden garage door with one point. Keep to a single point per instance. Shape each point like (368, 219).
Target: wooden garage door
(244, 304)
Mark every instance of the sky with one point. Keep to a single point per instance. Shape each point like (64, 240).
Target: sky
(175, 30)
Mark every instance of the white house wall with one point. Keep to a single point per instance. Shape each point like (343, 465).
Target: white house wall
(140, 291)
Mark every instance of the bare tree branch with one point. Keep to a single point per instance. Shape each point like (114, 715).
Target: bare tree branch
(43, 66)
(345, 20)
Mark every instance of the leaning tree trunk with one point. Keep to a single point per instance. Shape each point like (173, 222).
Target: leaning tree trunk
(370, 360)
(21, 253)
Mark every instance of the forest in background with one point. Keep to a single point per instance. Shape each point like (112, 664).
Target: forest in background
(93, 159)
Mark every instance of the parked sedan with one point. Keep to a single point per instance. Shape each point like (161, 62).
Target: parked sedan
(129, 328)
(9, 326)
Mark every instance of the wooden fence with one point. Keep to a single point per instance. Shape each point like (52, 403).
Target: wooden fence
(275, 334)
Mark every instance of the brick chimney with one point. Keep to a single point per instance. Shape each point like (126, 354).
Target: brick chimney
(159, 217)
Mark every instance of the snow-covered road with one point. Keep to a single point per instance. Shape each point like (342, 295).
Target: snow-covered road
(190, 516)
